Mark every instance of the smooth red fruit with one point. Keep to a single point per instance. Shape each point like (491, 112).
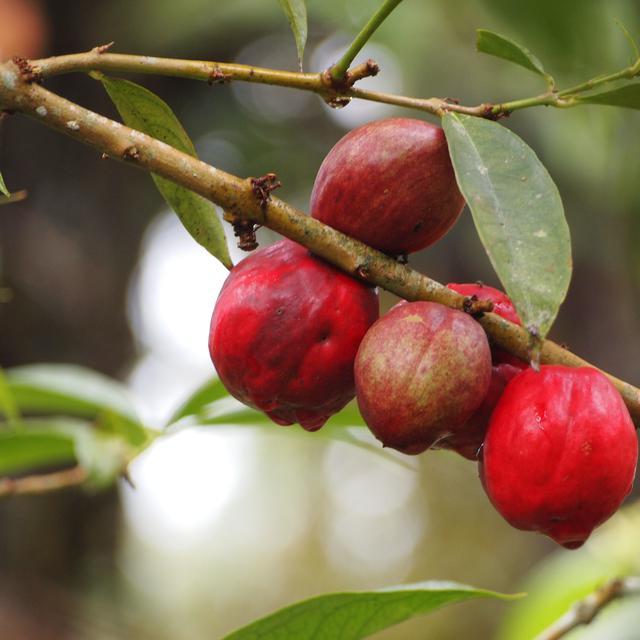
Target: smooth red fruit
(421, 371)
(560, 453)
(389, 184)
(285, 331)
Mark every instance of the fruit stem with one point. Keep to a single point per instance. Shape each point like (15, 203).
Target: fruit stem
(339, 70)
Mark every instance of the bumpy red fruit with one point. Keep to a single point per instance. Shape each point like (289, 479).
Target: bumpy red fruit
(285, 332)
(560, 453)
(389, 184)
(421, 371)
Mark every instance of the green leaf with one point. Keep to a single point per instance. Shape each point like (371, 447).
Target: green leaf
(296, 13)
(32, 449)
(627, 97)
(75, 391)
(630, 39)
(45, 443)
(3, 187)
(502, 47)
(211, 405)
(518, 213)
(349, 616)
(8, 405)
(67, 389)
(206, 394)
(143, 110)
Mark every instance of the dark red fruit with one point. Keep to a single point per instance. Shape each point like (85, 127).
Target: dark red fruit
(560, 453)
(285, 331)
(467, 440)
(389, 184)
(503, 306)
(421, 371)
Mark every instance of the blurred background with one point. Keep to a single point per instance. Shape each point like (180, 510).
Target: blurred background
(230, 523)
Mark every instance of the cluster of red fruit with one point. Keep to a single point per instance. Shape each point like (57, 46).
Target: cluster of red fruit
(296, 338)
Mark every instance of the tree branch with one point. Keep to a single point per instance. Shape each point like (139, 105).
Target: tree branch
(43, 483)
(584, 611)
(322, 84)
(237, 196)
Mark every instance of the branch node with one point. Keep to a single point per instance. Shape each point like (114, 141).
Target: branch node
(103, 48)
(476, 307)
(489, 114)
(337, 87)
(244, 230)
(217, 76)
(367, 69)
(131, 153)
(27, 71)
(263, 186)
(362, 271)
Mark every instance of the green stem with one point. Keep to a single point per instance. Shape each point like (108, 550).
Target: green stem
(629, 72)
(339, 70)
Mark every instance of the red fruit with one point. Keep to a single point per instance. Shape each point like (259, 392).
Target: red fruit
(421, 371)
(389, 184)
(560, 453)
(467, 440)
(285, 331)
(24, 29)
(502, 304)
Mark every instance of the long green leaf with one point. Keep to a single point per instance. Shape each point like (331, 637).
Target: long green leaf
(45, 443)
(67, 389)
(8, 405)
(296, 13)
(627, 97)
(58, 389)
(518, 213)
(350, 616)
(206, 394)
(3, 187)
(502, 47)
(143, 110)
(33, 449)
(211, 405)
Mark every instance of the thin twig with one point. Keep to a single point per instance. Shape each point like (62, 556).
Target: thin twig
(213, 72)
(43, 483)
(237, 196)
(584, 611)
(15, 196)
